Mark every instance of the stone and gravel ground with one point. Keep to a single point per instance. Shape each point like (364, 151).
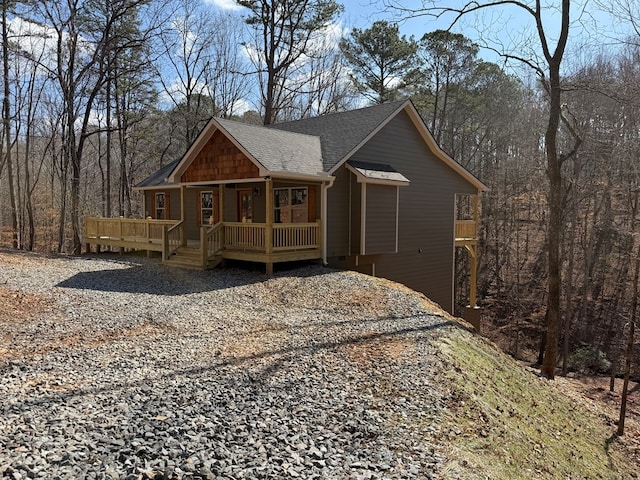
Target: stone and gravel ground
(117, 367)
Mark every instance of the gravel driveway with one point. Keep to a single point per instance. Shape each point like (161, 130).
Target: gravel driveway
(119, 367)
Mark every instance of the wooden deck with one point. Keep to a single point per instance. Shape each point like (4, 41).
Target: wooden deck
(255, 242)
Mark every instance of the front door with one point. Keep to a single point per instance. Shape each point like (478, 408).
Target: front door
(245, 205)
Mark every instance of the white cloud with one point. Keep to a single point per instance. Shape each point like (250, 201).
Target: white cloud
(224, 4)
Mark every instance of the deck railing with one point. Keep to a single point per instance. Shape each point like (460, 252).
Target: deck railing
(466, 229)
(172, 239)
(294, 236)
(125, 229)
(169, 235)
(244, 236)
(211, 242)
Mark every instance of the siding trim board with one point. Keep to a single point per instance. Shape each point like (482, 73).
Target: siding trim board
(363, 218)
(397, 215)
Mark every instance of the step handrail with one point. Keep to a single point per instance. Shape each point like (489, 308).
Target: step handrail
(211, 242)
(172, 239)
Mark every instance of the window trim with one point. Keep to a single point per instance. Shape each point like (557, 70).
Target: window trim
(201, 209)
(291, 207)
(156, 209)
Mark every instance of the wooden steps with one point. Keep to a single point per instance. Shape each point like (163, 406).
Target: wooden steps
(190, 257)
(186, 257)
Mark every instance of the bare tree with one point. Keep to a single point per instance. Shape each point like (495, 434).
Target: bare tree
(283, 31)
(84, 36)
(6, 156)
(549, 74)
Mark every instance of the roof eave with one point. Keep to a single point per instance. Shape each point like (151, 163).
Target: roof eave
(377, 181)
(321, 176)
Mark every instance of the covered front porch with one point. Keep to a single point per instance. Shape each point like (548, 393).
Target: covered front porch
(266, 221)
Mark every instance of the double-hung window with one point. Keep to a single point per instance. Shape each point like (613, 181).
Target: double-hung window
(160, 206)
(291, 205)
(206, 208)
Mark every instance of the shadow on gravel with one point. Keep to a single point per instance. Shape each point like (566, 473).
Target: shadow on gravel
(278, 359)
(157, 279)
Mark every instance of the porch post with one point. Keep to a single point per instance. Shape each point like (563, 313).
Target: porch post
(183, 240)
(268, 233)
(472, 280)
(221, 191)
(472, 313)
(474, 261)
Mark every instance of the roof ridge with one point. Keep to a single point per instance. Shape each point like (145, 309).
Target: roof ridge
(342, 112)
(261, 127)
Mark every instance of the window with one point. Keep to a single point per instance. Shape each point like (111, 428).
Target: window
(160, 206)
(245, 205)
(206, 208)
(291, 205)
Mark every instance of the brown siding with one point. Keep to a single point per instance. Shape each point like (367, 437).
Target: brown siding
(230, 205)
(191, 225)
(356, 215)
(424, 260)
(338, 215)
(219, 159)
(259, 201)
(380, 227)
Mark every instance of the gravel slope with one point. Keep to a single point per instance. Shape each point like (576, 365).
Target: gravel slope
(119, 367)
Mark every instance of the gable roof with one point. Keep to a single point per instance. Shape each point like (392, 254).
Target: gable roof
(272, 151)
(340, 133)
(158, 178)
(311, 147)
(343, 133)
(277, 150)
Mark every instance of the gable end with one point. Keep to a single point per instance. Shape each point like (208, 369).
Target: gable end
(219, 159)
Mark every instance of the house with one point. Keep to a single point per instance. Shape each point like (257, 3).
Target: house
(366, 189)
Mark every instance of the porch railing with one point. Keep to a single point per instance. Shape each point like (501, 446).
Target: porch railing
(169, 235)
(172, 239)
(211, 242)
(244, 236)
(293, 236)
(466, 229)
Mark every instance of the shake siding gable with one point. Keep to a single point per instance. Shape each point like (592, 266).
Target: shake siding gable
(220, 159)
(425, 255)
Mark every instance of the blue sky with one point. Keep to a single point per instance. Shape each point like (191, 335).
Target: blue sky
(593, 31)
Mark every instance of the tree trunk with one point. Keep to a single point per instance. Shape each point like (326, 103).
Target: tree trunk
(6, 125)
(555, 198)
(107, 187)
(629, 353)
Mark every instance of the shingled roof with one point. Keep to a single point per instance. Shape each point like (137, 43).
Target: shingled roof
(277, 150)
(158, 178)
(311, 146)
(340, 133)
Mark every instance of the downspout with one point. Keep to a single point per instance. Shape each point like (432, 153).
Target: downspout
(323, 214)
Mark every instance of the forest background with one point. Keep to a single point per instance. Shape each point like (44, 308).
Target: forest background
(96, 95)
